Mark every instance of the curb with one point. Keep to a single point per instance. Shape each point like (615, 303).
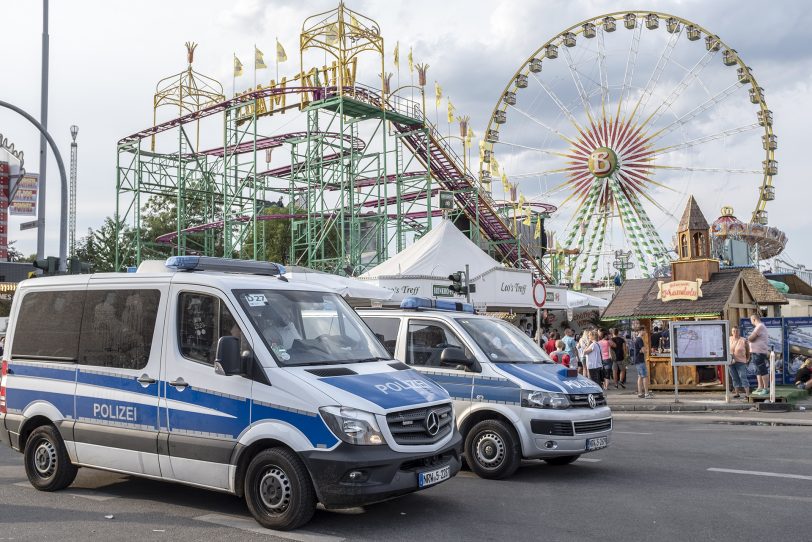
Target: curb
(743, 419)
(681, 407)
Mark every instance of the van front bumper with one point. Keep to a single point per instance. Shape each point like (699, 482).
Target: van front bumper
(555, 433)
(386, 474)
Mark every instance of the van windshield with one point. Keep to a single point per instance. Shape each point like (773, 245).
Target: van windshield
(309, 328)
(503, 342)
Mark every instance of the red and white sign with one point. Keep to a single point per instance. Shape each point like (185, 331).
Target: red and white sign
(679, 289)
(539, 300)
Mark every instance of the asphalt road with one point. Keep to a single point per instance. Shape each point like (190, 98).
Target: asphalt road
(660, 480)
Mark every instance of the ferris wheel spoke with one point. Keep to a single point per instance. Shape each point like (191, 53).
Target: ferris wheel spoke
(637, 190)
(655, 75)
(631, 64)
(545, 173)
(710, 103)
(706, 139)
(576, 78)
(543, 125)
(537, 149)
(603, 75)
(689, 78)
(554, 97)
(708, 169)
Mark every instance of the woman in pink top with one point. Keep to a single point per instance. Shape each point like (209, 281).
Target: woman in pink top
(606, 358)
(738, 367)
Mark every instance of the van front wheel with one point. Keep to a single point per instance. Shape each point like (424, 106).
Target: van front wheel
(47, 464)
(492, 449)
(278, 490)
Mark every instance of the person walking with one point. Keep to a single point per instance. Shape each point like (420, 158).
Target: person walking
(570, 346)
(606, 357)
(559, 355)
(619, 364)
(583, 343)
(759, 340)
(549, 346)
(594, 364)
(638, 355)
(739, 348)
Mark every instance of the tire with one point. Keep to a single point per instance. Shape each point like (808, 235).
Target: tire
(492, 449)
(47, 464)
(561, 460)
(278, 490)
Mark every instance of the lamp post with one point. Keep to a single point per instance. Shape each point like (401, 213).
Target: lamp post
(74, 151)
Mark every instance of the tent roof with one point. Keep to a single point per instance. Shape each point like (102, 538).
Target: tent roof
(444, 250)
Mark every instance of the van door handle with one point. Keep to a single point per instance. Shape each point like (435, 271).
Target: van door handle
(179, 383)
(146, 380)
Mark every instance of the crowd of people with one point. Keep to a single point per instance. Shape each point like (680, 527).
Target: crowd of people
(601, 355)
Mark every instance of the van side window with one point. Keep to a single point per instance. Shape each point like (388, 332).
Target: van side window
(202, 320)
(48, 326)
(426, 341)
(117, 328)
(386, 330)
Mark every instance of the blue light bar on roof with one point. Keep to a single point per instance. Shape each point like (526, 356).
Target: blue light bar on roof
(225, 265)
(418, 303)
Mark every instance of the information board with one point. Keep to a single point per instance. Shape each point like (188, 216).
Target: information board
(699, 343)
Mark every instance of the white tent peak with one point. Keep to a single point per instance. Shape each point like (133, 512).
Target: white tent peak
(442, 251)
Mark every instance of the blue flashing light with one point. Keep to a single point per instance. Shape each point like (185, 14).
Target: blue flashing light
(225, 265)
(418, 303)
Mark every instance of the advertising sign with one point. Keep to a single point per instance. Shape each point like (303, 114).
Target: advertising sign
(776, 331)
(798, 334)
(679, 289)
(4, 183)
(699, 343)
(25, 199)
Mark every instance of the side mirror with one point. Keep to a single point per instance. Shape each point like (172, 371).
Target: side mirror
(228, 360)
(453, 355)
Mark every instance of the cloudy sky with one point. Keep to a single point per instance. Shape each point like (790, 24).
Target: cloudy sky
(106, 58)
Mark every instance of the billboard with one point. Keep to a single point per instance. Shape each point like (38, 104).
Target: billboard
(798, 333)
(775, 329)
(25, 199)
(699, 343)
(4, 182)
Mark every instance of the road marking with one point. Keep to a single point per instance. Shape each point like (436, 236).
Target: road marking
(760, 473)
(250, 525)
(587, 460)
(781, 497)
(84, 494)
(630, 433)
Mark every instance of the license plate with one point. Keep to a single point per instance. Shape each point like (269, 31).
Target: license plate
(425, 479)
(595, 443)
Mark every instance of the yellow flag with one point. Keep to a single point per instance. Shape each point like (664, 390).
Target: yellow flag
(259, 61)
(397, 55)
(237, 67)
(521, 200)
(354, 22)
(537, 234)
(505, 184)
(526, 221)
(331, 35)
(495, 166)
(450, 111)
(469, 136)
(281, 56)
(411, 61)
(438, 93)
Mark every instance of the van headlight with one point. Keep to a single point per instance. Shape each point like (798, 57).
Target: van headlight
(352, 425)
(544, 399)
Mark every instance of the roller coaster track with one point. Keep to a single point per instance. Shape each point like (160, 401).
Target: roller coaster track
(435, 155)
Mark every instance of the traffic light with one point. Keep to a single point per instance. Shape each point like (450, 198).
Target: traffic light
(457, 285)
(49, 265)
(78, 267)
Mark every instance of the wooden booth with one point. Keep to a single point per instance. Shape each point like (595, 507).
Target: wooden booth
(696, 290)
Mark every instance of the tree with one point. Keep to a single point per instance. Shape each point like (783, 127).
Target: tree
(98, 248)
(274, 235)
(14, 254)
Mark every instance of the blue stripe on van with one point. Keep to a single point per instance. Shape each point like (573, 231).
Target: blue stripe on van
(53, 373)
(546, 377)
(390, 390)
(19, 399)
(119, 382)
(117, 412)
(311, 425)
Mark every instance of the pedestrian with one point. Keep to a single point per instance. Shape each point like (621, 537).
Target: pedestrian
(559, 355)
(619, 364)
(549, 346)
(638, 355)
(606, 357)
(739, 350)
(583, 343)
(803, 378)
(759, 340)
(570, 347)
(594, 363)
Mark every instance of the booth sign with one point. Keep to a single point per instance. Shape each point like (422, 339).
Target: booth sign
(679, 289)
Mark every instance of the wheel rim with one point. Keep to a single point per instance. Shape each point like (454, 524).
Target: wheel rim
(45, 459)
(490, 450)
(275, 490)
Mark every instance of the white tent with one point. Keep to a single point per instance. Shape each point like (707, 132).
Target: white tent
(577, 300)
(422, 269)
(353, 289)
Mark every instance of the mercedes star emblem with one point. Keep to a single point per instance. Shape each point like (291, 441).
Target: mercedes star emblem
(432, 423)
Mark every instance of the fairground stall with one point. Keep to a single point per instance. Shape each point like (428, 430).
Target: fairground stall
(696, 290)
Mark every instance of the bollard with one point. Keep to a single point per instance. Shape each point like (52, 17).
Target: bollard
(772, 375)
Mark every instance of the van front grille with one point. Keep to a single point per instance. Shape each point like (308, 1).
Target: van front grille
(415, 427)
(594, 426)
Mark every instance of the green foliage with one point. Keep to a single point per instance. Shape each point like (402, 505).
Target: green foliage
(273, 243)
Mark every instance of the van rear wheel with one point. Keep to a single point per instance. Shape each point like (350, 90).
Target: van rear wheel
(561, 460)
(278, 490)
(492, 449)
(47, 464)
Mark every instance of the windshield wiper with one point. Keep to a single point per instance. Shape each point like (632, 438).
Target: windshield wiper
(365, 360)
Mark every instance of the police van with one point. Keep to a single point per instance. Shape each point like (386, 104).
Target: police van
(220, 374)
(511, 401)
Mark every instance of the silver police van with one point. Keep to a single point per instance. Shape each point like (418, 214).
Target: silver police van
(219, 374)
(511, 401)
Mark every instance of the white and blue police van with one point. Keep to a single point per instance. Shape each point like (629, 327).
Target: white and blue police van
(220, 374)
(511, 401)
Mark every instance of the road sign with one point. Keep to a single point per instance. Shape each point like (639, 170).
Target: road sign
(29, 225)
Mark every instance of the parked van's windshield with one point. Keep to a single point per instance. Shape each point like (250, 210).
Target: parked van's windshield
(503, 342)
(309, 328)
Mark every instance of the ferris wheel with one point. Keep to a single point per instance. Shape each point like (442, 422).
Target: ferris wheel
(615, 121)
